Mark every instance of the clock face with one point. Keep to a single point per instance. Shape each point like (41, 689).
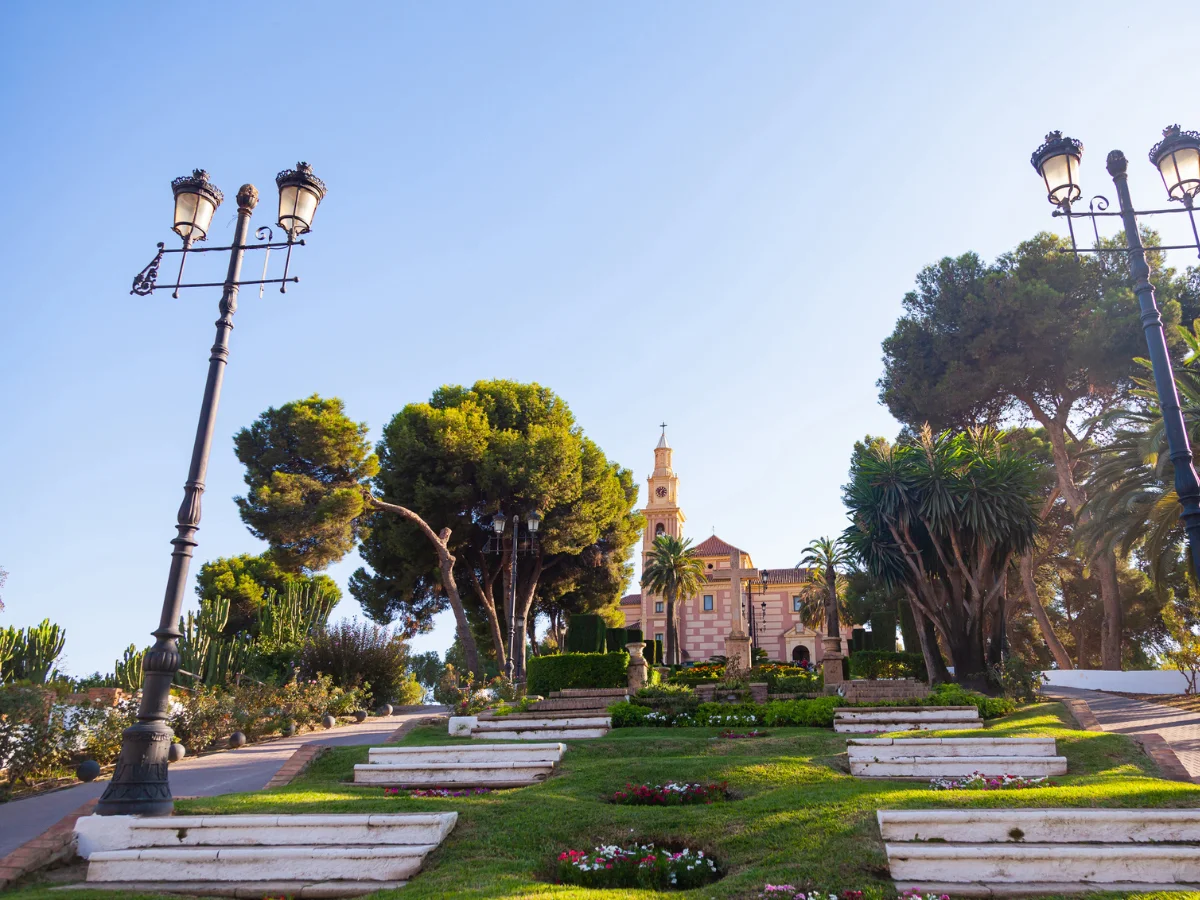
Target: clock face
(661, 491)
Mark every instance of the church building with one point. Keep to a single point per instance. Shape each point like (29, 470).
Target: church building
(772, 595)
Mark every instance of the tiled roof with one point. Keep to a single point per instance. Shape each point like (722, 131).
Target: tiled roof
(631, 600)
(787, 576)
(714, 546)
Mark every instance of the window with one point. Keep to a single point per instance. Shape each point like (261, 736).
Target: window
(659, 529)
(658, 606)
(658, 637)
(795, 604)
(708, 604)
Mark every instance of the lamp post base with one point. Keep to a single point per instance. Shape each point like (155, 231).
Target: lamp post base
(139, 786)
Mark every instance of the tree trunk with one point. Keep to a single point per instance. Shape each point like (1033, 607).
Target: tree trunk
(1105, 561)
(935, 667)
(485, 591)
(1058, 652)
(446, 567)
(525, 596)
(670, 648)
(832, 627)
(966, 649)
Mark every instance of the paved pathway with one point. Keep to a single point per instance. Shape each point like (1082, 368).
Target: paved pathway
(247, 769)
(1179, 728)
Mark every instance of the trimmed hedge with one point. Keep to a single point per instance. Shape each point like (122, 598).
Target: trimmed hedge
(615, 639)
(777, 713)
(874, 664)
(576, 670)
(585, 634)
(883, 632)
(633, 636)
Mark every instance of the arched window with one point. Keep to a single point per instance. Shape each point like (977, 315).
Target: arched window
(659, 529)
(800, 653)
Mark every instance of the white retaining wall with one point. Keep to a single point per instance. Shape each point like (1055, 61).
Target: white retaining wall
(1159, 681)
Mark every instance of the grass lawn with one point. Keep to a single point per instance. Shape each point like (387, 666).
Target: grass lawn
(799, 817)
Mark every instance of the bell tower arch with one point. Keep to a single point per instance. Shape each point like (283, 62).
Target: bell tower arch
(662, 512)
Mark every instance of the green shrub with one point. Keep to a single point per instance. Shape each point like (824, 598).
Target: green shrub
(576, 670)
(873, 664)
(816, 713)
(672, 699)
(359, 655)
(957, 695)
(1019, 681)
(628, 715)
(808, 683)
(728, 714)
(634, 635)
(585, 634)
(883, 632)
(615, 639)
(705, 673)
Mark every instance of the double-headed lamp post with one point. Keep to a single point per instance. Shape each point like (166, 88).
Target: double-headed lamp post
(1177, 158)
(140, 785)
(499, 523)
(754, 625)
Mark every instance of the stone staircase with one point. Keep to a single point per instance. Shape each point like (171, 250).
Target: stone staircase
(564, 715)
(953, 757)
(1012, 852)
(486, 765)
(874, 720)
(257, 856)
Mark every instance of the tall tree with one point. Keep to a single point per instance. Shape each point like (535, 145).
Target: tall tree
(1039, 333)
(942, 516)
(246, 581)
(674, 572)
(500, 446)
(829, 557)
(308, 467)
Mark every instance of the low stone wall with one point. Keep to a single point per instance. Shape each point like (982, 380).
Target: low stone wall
(863, 691)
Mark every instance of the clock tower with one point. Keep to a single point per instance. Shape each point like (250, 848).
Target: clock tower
(662, 512)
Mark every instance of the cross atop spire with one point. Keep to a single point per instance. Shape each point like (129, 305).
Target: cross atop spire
(662, 441)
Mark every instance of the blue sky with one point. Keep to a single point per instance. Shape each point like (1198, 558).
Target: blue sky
(703, 212)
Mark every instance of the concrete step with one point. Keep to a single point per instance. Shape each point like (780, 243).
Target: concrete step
(514, 722)
(105, 833)
(457, 753)
(536, 713)
(475, 774)
(253, 890)
(574, 703)
(1047, 863)
(909, 714)
(997, 889)
(957, 766)
(543, 733)
(842, 727)
(590, 692)
(889, 748)
(1081, 825)
(249, 864)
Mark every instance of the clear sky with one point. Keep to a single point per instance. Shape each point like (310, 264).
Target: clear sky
(701, 212)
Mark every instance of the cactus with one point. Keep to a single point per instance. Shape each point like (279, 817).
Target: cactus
(33, 652)
(9, 640)
(128, 671)
(204, 653)
(288, 620)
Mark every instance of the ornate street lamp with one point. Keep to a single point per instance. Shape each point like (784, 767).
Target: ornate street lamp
(755, 626)
(496, 545)
(1177, 158)
(140, 785)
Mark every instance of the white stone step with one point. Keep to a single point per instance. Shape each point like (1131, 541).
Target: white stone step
(955, 766)
(842, 727)
(475, 774)
(889, 748)
(251, 890)
(909, 714)
(542, 733)
(509, 723)
(1040, 825)
(458, 753)
(1034, 888)
(250, 864)
(1049, 863)
(104, 833)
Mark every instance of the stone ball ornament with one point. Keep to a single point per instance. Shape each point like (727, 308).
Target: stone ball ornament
(360, 715)
(329, 721)
(88, 770)
(237, 739)
(385, 710)
(177, 752)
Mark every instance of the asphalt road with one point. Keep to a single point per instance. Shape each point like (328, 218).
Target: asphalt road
(230, 772)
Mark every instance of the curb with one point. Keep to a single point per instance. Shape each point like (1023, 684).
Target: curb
(300, 759)
(398, 735)
(56, 843)
(1082, 713)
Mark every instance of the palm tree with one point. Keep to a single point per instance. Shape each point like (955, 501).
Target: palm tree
(828, 557)
(673, 571)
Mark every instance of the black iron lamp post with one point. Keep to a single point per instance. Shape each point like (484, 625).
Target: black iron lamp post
(1177, 158)
(140, 785)
(750, 618)
(496, 545)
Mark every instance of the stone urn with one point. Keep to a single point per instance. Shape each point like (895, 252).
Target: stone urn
(385, 710)
(177, 752)
(360, 715)
(637, 665)
(329, 721)
(237, 739)
(88, 770)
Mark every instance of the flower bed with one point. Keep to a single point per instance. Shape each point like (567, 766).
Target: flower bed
(775, 714)
(977, 782)
(730, 735)
(637, 865)
(790, 892)
(439, 793)
(672, 794)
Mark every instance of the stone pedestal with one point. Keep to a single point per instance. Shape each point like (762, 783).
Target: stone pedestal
(637, 666)
(737, 650)
(831, 663)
